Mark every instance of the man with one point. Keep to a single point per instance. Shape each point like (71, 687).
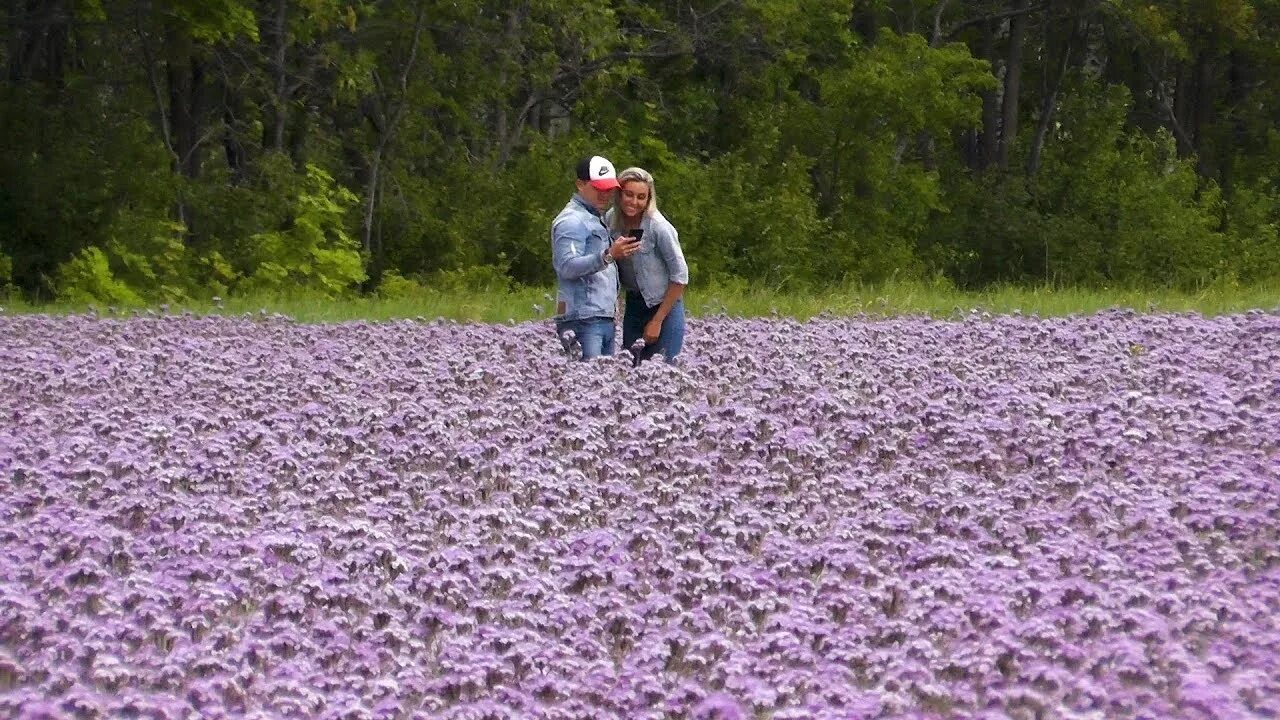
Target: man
(584, 255)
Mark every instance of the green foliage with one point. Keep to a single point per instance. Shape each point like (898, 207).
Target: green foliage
(212, 21)
(87, 278)
(1182, 28)
(71, 179)
(1112, 206)
(394, 286)
(155, 264)
(747, 219)
(1122, 207)
(1252, 252)
(870, 136)
(533, 188)
(477, 278)
(313, 251)
(6, 276)
(144, 260)
(992, 233)
(426, 227)
(181, 149)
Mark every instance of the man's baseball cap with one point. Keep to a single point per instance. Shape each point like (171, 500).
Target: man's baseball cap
(599, 172)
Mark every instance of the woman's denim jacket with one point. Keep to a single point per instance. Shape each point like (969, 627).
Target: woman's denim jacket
(587, 286)
(659, 262)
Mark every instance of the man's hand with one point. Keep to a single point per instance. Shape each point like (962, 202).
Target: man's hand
(652, 330)
(624, 247)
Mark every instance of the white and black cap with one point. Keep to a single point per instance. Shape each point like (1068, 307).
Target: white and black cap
(599, 172)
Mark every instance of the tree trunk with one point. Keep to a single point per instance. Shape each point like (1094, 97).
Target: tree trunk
(988, 141)
(1183, 101)
(184, 73)
(865, 21)
(1202, 116)
(510, 38)
(184, 79)
(13, 54)
(1012, 84)
(967, 141)
(273, 131)
(1049, 106)
(391, 113)
(296, 138)
(38, 51)
(371, 196)
(231, 145)
(57, 43)
(1236, 95)
(826, 183)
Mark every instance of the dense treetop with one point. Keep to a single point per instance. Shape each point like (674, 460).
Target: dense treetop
(169, 149)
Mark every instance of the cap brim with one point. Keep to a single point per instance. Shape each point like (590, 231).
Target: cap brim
(606, 184)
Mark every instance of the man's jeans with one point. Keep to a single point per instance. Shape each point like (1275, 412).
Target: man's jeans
(636, 316)
(595, 335)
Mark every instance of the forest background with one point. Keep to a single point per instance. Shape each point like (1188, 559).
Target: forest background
(177, 150)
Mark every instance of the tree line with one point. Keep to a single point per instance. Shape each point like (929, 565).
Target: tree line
(160, 150)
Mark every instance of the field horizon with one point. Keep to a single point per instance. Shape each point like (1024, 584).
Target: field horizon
(886, 300)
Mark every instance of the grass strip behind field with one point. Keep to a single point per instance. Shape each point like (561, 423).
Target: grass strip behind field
(894, 299)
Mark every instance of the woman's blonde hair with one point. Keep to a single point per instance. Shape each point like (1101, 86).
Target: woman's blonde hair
(634, 174)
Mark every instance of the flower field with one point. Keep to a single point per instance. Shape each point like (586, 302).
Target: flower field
(991, 517)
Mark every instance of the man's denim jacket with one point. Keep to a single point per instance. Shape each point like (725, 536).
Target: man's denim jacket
(659, 262)
(587, 286)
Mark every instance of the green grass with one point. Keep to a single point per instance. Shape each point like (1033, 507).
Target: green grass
(923, 299)
(743, 301)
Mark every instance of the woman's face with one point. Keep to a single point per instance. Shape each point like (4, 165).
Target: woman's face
(635, 198)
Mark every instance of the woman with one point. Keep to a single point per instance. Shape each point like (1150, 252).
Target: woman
(655, 276)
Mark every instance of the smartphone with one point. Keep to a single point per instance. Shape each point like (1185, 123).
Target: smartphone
(637, 233)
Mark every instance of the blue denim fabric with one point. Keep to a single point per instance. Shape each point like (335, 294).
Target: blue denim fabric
(657, 264)
(586, 285)
(637, 315)
(595, 334)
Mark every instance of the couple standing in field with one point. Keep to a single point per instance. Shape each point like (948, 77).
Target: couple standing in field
(610, 234)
